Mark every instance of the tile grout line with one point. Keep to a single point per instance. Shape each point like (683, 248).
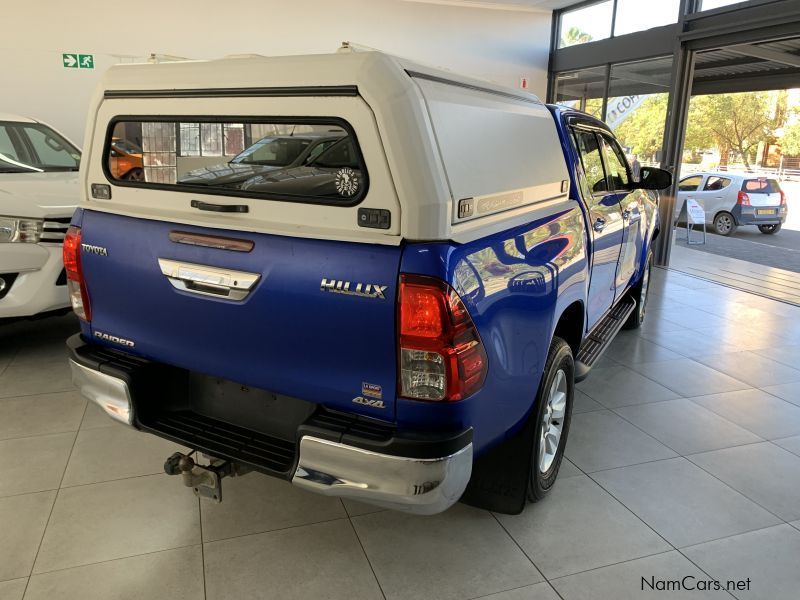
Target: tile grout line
(52, 507)
(202, 545)
(361, 545)
(516, 543)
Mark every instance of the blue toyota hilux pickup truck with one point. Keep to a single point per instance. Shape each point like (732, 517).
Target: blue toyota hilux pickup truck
(374, 279)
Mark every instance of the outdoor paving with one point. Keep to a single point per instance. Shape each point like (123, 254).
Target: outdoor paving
(683, 460)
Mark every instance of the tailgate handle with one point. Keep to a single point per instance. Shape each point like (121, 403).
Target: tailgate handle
(234, 208)
(208, 281)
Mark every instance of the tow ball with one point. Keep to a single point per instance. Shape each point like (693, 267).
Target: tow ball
(205, 480)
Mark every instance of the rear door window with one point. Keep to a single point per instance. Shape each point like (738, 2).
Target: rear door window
(314, 160)
(690, 184)
(761, 185)
(715, 184)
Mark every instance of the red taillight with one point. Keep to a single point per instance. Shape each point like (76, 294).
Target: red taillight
(783, 198)
(743, 199)
(441, 356)
(76, 285)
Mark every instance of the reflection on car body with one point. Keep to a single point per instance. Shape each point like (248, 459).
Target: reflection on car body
(268, 154)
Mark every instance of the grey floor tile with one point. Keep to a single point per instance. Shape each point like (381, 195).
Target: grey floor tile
(35, 378)
(117, 452)
(752, 368)
(118, 519)
(355, 508)
(787, 354)
(22, 522)
(171, 574)
(686, 427)
(636, 579)
(768, 557)
(579, 526)
(567, 469)
(792, 444)
(95, 417)
(785, 391)
(795, 524)
(41, 352)
(315, 561)
(257, 503)
(412, 555)
(603, 440)
(33, 464)
(760, 412)
(39, 415)
(689, 378)
(620, 386)
(14, 588)
(537, 591)
(765, 473)
(583, 403)
(682, 502)
(655, 322)
(629, 348)
(689, 342)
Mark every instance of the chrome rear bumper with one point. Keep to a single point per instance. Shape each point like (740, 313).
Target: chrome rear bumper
(422, 486)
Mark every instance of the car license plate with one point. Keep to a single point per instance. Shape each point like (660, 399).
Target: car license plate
(765, 211)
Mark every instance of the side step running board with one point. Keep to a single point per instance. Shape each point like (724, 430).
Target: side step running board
(600, 337)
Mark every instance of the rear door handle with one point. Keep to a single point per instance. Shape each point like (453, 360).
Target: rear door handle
(599, 224)
(208, 281)
(229, 208)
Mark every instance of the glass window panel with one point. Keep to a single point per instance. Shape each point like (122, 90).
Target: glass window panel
(587, 24)
(589, 149)
(637, 108)
(690, 184)
(633, 15)
(615, 166)
(582, 90)
(710, 4)
(320, 162)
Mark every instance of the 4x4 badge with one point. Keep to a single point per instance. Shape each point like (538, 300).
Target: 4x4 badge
(365, 290)
(369, 402)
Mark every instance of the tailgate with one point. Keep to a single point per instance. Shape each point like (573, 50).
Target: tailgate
(292, 333)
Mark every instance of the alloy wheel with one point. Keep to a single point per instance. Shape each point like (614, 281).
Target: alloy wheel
(553, 421)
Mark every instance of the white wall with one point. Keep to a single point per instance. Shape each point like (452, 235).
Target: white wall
(493, 44)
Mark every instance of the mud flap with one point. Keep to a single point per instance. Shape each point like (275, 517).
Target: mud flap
(501, 475)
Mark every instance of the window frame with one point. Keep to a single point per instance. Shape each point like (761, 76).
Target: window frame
(590, 131)
(727, 181)
(233, 193)
(613, 144)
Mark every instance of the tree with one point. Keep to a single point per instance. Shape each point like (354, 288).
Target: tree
(790, 142)
(643, 130)
(573, 36)
(732, 122)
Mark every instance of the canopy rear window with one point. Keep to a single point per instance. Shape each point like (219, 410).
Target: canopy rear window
(303, 160)
(761, 185)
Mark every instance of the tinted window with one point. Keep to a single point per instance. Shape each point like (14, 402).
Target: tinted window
(35, 147)
(589, 151)
(615, 165)
(690, 184)
(762, 185)
(715, 183)
(275, 160)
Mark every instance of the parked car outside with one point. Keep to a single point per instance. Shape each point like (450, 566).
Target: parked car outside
(38, 194)
(268, 154)
(125, 160)
(732, 200)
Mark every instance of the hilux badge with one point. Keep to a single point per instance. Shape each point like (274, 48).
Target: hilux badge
(365, 290)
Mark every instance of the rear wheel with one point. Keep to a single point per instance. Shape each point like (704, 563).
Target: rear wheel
(724, 223)
(770, 228)
(552, 419)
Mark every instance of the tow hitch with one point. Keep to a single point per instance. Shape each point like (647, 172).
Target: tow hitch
(205, 480)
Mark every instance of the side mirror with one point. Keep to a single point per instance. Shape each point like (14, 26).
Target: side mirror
(652, 178)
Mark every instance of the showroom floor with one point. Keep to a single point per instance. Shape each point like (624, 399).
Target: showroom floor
(684, 459)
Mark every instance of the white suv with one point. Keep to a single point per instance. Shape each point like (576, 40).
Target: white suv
(38, 194)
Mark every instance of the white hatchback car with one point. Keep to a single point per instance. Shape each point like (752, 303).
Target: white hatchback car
(731, 200)
(38, 194)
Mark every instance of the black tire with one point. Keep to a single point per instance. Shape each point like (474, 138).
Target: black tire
(135, 175)
(640, 293)
(559, 359)
(770, 229)
(724, 224)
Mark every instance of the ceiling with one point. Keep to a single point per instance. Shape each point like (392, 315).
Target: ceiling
(520, 5)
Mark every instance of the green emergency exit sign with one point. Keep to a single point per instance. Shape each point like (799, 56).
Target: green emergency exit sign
(78, 61)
